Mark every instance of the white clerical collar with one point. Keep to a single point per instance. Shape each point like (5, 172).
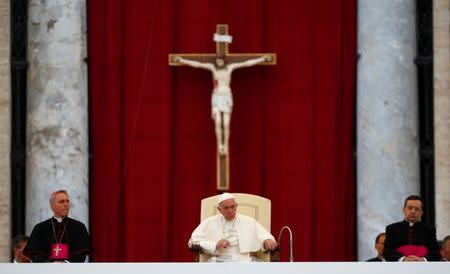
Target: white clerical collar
(58, 219)
(409, 223)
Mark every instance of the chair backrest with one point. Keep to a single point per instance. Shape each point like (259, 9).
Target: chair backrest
(250, 205)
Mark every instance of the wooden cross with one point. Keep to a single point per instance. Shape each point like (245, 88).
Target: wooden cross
(223, 170)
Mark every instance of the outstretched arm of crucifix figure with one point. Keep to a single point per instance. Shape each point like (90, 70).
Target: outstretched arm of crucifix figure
(193, 63)
(251, 62)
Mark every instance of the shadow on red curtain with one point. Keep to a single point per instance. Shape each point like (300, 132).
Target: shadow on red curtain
(152, 135)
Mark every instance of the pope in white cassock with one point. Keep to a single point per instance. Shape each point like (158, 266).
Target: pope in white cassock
(231, 237)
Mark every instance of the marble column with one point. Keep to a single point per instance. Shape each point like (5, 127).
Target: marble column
(387, 116)
(5, 132)
(441, 43)
(57, 119)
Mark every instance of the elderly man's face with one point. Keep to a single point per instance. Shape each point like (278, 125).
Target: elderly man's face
(413, 211)
(61, 205)
(228, 209)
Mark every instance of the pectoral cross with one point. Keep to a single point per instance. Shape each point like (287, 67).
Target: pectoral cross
(57, 250)
(222, 78)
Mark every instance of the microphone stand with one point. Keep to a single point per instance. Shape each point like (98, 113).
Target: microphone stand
(291, 257)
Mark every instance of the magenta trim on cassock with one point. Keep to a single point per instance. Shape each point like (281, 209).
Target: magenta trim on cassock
(417, 250)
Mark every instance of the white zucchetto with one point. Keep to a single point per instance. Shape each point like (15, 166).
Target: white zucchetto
(224, 196)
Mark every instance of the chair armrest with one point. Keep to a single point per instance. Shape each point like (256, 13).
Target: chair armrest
(275, 254)
(196, 248)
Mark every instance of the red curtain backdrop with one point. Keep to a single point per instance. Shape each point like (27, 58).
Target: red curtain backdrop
(152, 135)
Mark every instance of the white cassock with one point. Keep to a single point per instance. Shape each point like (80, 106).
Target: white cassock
(245, 235)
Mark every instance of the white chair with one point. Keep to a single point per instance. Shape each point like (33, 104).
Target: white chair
(253, 206)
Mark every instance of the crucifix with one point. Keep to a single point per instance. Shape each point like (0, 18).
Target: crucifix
(221, 64)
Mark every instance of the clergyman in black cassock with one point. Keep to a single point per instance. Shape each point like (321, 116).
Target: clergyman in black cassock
(410, 239)
(422, 235)
(59, 238)
(42, 238)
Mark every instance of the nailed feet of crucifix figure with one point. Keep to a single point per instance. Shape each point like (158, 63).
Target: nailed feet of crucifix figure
(222, 98)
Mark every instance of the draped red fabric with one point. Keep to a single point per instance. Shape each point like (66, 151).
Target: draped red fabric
(152, 136)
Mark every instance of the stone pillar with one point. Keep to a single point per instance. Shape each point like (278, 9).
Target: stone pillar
(387, 116)
(5, 132)
(441, 37)
(57, 120)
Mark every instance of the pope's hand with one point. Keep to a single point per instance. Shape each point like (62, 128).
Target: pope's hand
(222, 244)
(270, 244)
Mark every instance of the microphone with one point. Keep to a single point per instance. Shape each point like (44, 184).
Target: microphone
(291, 257)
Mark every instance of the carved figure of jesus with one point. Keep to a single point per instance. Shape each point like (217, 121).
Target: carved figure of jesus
(222, 98)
